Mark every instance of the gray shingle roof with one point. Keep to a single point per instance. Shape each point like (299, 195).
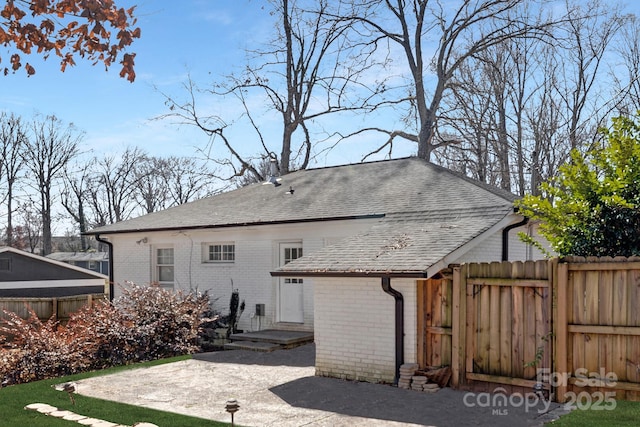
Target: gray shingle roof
(79, 256)
(404, 243)
(363, 189)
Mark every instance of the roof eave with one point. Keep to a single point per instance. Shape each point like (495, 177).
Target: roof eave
(232, 225)
(396, 274)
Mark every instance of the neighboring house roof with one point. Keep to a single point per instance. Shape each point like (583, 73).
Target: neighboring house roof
(31, 267)
(372, 189)
(79, 256)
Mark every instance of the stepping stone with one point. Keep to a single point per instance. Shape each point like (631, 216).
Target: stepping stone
(102, 423)
(89, 421)
(60, 414)
(46, 409)
(36, 406)
(74, 417)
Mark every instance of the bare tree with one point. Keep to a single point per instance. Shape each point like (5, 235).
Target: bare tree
(12, 143)
(456, 32)
(626, 75)
(113, 187)
(487, 109)
(306, 73)
(150, 192)
(589, 31)
(30, 231)
(75, 195)
(519, 107)
(49, 147)
(186, 180)
(165, 182)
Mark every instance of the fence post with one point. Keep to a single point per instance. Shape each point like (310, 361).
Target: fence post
(54, 309)
(421, 323)
(455, 327)
(560, 321)
(458, 325)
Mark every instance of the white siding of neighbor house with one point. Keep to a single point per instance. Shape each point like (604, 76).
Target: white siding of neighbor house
(256, 255)
(490, 249)
(355, 328)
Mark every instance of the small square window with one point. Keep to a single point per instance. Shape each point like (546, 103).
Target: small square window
(5, 264)
(220, 252)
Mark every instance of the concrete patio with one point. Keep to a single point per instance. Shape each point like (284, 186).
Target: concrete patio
(280, 388)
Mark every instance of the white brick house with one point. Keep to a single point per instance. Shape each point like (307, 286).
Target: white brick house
(318, 249)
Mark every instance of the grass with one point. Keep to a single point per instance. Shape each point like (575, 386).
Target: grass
(625, 414)
(14, 398)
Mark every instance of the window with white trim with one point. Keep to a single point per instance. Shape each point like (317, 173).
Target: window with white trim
(164, 267)
(219, 252)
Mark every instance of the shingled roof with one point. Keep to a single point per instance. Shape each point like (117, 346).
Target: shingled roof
(417, 244)
(374, 189)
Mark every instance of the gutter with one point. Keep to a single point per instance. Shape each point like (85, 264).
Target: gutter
(110, 246)
(232, 225)
(505, 237)
(386, 287)
(399, 312)
(336, 273)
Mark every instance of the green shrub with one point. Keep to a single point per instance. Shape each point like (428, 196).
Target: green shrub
(592, 207)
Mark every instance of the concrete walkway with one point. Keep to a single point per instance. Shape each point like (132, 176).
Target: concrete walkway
(280, 389)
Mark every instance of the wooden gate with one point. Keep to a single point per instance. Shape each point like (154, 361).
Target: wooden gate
(490, 322)
(434, 320)
(507, 331)
(598, 332)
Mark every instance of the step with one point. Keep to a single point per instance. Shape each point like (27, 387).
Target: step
(252, 345)
(285, 338)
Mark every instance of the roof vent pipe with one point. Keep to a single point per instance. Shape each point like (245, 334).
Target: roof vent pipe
(399, 315)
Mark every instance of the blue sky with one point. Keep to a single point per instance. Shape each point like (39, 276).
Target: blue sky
(201, 37)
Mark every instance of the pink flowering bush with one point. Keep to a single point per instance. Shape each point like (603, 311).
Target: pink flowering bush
(145, 323)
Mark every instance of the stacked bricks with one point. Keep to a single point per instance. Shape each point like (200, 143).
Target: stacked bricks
(407, 371)
(417, 381)
(409, 379)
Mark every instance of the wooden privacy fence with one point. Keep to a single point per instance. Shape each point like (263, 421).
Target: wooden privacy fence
(507, 323)
(598, 327)
(59, 308)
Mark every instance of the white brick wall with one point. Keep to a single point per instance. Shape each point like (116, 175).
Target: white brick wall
(353, 318)
(256, 256)
(355, 328)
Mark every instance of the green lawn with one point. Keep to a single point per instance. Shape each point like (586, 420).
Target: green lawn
(625, 414)
(13, 399)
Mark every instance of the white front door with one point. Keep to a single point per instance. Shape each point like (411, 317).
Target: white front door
(290, 290)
